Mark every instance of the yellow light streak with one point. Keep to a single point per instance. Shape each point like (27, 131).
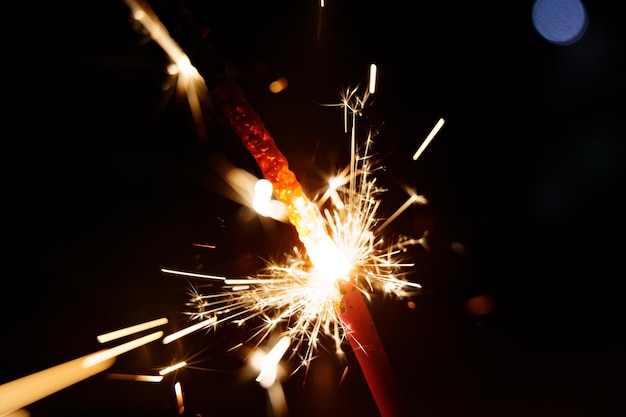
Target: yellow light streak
(414, 198)
(178, 389)
(107, 354)
(139, 378)
(429, 138)
(117, 334)
(204, 245)
(267, 376)
(190, 82)
(19, 393)
(187, 330)
(172, 368)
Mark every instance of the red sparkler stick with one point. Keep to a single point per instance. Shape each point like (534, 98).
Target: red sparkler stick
(371, 354)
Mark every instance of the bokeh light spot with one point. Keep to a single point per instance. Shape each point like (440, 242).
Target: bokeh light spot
(561, 22)
(480, 305)
(279, 85)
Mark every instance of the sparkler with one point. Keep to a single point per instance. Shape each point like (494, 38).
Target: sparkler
(320, 290)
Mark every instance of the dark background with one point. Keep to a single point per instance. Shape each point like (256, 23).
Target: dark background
(106, 182)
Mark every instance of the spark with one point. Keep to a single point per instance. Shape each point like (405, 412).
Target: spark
(188, 330)
(204, 245)
(269, 363)
(178, 389)
(413, 198)
(189, 81)
(140, 378)
(172, 368)
(192, 274)
(429, 138)
(107, 337)
(372, 83)
(107, 354)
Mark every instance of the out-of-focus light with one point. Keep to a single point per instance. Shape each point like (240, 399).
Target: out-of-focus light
(178, 389)
(262, 196)
(561, 22)
(103, 338)
(279, 85)
(480, 305)
(263, 203)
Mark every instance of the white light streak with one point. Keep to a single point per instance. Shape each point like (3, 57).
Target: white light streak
(414, 198)
(107, 337)
(107, 354)
(192, 274)
(187, 330)
(178, 389)
(267, 376)
(429, 138)
(172, 368)
(372, 83)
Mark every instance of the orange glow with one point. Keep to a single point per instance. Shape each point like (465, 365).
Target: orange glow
(279, 85)
(139, 378)
(480, 305)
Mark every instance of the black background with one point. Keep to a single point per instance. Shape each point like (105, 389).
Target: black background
(106, 182)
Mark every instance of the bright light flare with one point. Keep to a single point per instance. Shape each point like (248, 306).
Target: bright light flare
(189, 81)
(248, 190)
(268, 363)
(263, 203)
